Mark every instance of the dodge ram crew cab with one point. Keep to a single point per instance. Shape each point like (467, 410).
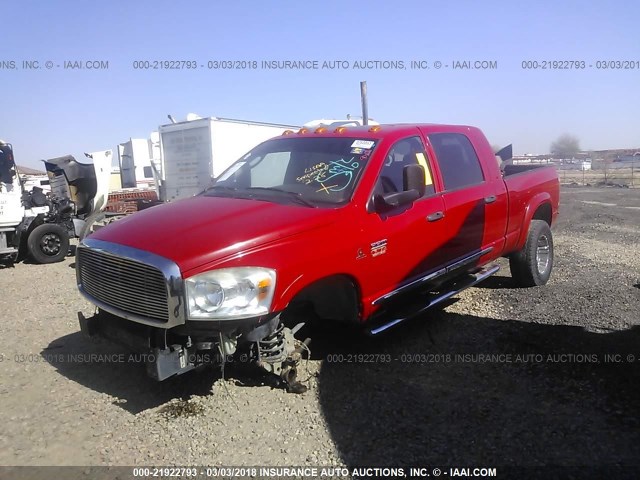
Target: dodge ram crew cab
(369, 225)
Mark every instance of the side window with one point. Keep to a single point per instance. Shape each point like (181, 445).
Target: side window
(408, 151)
(148, 173)
(7, 172)
(459, 164)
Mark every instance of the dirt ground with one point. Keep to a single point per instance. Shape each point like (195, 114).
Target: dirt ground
(501, 377)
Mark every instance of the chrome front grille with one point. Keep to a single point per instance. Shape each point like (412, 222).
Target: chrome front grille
(123, 285)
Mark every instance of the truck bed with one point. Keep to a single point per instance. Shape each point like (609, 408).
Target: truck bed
(511, 169)
(526, 184)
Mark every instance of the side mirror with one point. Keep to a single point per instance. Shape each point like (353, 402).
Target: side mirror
(394, 200)
(413, 188)
(413, 178)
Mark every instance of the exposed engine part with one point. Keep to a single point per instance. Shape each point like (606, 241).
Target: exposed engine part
(168, 354)
(168, 362)
(273, 348)
(263, 330)
(280, 353)
(227, 345)
(224, 342)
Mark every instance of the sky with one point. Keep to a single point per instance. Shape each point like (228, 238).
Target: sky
(51, 110)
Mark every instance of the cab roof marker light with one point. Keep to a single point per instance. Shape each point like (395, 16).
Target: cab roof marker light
(303, 130)
(320, 130)
(340, 130)
(375, 128)
(288, 132)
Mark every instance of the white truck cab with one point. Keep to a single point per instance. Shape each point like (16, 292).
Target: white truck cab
(38, 225)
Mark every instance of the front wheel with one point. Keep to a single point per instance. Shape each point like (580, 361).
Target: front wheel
(531, 266)
(48, 243)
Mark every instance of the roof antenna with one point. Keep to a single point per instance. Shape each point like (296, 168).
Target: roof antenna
(170, 117)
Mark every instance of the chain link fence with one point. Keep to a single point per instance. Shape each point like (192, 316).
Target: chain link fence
(623, 174)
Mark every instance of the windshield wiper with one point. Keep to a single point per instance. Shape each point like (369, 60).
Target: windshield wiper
(296, 196)
(220, 187)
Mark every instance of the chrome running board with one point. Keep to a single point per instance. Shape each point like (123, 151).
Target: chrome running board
(465, 283)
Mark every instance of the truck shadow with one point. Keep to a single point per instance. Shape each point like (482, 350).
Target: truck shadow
(497, 282)
(465, 390)
(111, 369)
(450, 389)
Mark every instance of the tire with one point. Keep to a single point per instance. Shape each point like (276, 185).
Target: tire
(48, 243)
(531, 266)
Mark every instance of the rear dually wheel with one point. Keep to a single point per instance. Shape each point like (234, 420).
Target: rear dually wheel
(532, 265)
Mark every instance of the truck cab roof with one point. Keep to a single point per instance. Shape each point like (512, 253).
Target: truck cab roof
(382, 130)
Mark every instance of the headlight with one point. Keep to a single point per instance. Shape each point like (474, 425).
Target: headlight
(230, 293)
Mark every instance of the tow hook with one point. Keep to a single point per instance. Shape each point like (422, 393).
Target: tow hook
(280, 353)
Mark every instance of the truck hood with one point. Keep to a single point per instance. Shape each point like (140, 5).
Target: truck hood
(202, 229)
(85, 184)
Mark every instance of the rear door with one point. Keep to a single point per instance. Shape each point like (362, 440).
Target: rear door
(475, 204)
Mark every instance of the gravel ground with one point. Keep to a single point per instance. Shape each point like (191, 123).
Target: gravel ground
(501, 376)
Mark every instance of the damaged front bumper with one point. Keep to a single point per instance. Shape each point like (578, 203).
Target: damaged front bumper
(264, 342)
(162, 360)
(141, 302)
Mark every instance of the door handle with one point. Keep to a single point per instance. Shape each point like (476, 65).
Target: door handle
(434, 217)
(490, 199)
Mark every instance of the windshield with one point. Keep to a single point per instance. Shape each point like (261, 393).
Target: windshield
(316, 172)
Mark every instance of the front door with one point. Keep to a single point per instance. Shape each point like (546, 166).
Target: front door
(406, 245)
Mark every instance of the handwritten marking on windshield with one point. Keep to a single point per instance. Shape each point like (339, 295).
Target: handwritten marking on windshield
(313, 173)
(325, 188)
(340, 171)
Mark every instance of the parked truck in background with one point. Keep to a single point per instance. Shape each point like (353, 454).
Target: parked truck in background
(195, 151)
(40, 225)
(363, 225)
(137, 189)
(181, 159)
(135, 157)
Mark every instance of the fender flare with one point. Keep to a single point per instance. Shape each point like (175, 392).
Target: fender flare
(530, 210)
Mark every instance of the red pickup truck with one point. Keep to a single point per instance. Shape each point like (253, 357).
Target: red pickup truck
(366, 225)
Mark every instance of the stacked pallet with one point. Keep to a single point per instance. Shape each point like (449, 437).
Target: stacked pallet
(129, 200)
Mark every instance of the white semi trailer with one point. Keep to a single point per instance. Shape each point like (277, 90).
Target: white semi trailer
(195, 151)
(135, 157)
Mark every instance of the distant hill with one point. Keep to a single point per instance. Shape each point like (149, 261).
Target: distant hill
(29, 171)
